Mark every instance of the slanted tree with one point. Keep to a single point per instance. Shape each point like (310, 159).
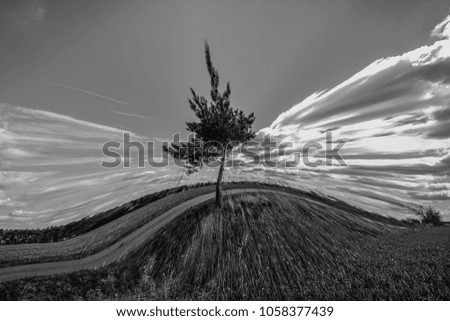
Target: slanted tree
(219, 129)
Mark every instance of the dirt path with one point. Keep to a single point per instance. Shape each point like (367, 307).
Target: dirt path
(118, 249)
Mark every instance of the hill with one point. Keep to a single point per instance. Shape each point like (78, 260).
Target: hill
(105, 229)
(269, 245)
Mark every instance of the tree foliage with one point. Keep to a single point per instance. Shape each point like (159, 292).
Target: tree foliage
(429, 215)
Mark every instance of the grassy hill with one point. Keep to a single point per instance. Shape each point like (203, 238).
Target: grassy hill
(95, 233)
(272, 246)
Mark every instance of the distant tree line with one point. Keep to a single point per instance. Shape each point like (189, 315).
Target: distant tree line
(46, 235)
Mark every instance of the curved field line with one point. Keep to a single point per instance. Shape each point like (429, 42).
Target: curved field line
(117, 250)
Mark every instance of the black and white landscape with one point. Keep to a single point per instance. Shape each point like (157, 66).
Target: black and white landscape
(149, 150)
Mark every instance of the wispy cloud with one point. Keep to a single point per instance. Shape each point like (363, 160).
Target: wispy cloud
(442, 30)
(132, 115)
(31, 138)
(86, 92)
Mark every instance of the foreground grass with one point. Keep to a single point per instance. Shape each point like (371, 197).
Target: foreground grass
(256, 247)
(267, 246)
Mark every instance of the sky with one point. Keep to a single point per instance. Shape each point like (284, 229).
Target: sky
(75, 74)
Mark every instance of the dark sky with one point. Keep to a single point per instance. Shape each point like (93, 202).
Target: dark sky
(129, 64)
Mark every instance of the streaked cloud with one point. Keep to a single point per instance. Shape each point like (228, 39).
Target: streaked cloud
(132, 115)
(394, 115)
(50, 169)
(86, 92)
(442, 29)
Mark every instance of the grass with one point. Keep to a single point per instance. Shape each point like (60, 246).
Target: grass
(111, 231)
(102, 236)
(267, 246)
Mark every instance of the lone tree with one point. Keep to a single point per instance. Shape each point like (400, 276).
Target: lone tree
(219, 129)
(429, 215)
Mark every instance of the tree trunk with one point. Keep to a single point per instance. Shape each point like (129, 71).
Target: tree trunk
(219, 184)
(182, 174)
